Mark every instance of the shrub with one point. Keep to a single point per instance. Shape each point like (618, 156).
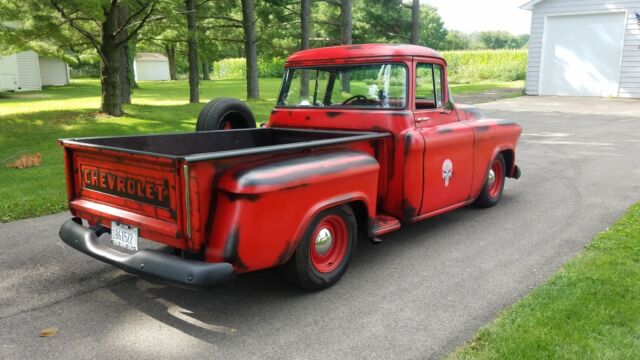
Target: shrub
(235, 68)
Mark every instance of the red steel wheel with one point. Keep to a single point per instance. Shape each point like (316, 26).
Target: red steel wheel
(495, 180)
(329, 243)
(227, 125)
(494, 184)
(325, 250)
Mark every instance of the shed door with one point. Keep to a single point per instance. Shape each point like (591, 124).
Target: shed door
(582, 54)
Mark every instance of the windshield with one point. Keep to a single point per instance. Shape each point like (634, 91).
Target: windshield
(369, 86)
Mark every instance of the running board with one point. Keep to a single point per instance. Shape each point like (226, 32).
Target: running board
(384, 224)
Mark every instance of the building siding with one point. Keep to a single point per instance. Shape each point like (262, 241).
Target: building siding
(629, 85)
(53, 71)
(28, 71)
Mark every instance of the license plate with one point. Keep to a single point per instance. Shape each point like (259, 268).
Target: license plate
(124, 236)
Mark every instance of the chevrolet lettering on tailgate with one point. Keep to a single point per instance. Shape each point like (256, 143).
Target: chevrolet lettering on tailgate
(151, 191)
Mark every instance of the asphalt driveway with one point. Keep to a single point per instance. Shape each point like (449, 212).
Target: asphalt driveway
(423, 292)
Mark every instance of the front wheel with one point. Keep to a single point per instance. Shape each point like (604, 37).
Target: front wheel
(494, 184)
(325, 250)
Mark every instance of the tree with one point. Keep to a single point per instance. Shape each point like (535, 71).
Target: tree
(72, 27)
(347, 37)
(415, 22)
(456, 40)
(251, 56)
(305, 29)
(192, 44)
(109, 39)
(432, 31)
(498, 40)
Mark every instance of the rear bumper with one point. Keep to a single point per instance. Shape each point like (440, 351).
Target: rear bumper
(151, 264)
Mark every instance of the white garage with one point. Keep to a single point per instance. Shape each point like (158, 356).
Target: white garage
(151, 66)
(584, 48)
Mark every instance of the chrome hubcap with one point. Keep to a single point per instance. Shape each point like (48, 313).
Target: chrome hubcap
(492, 178)
(324, 240)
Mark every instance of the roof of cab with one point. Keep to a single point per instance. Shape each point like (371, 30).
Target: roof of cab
(362, 51)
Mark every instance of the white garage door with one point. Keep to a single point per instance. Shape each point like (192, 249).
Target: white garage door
(581, 54)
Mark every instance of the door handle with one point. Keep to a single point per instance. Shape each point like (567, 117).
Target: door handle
(424, 118)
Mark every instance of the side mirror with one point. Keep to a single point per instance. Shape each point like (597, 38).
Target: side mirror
(448, 106)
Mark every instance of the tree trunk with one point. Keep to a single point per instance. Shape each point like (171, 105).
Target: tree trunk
(346, 34)
(305, 33)
(170, 51)
(110, 67)
(125, 85)
(131, 49)
(205, 70)
(415, 22)
(194, 93)
(249, 27)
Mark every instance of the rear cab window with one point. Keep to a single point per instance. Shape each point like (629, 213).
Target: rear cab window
(375, 86)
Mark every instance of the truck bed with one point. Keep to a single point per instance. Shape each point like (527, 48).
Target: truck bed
(209, 145)
(166, 185)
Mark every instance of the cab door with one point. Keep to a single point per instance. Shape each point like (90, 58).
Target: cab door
(448, 157)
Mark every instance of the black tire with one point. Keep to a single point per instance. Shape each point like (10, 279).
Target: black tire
(223, 113)
(492, 190)
(301, 268)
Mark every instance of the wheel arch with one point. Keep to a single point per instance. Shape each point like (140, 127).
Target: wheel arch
(357, 202)
(509, 160)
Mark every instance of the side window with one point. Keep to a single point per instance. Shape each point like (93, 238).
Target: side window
(438, 78)
(429, 86)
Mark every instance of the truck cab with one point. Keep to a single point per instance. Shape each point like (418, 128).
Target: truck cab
(362, 139)
(439, 154)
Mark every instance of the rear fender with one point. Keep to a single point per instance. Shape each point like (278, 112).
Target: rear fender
(262, 211)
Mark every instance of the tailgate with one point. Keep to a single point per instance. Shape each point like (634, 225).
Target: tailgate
(137, 190)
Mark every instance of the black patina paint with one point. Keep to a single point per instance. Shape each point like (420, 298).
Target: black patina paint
(483, 128)
(241, 196)
(408, 211)
(249, 178)
(505, 123)
(407, 144)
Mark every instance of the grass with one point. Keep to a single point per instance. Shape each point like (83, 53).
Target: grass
(32, 122)
(484, 86)
(589, 310)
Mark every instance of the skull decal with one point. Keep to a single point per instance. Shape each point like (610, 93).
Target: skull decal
(447, 171)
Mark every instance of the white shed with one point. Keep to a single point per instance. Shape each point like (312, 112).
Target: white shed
(151, 66)
(26, 71)
(584, 48)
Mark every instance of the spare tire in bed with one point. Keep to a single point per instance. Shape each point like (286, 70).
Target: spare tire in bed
(225, 113)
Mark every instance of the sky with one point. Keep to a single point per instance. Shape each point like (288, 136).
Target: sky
(483, 15)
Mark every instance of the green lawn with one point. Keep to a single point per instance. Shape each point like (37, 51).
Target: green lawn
(589, 310)
(31, 122)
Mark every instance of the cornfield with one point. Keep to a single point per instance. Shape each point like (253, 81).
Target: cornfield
(464, 66)
(468, 66)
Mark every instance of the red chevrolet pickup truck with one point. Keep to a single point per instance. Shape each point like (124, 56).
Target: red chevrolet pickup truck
(363, 139)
